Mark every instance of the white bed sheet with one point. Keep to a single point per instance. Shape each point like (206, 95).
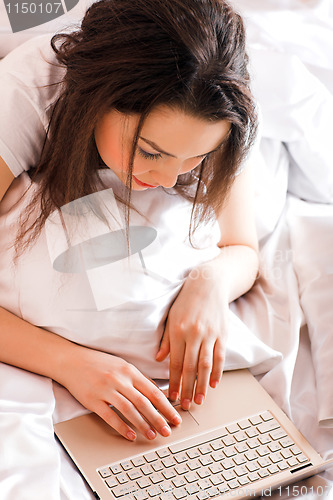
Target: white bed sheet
(289, 308)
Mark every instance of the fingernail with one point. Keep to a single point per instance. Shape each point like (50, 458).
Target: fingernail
(131, 435)
(186, 404)
(177, 420)
(174, 396)
(151, 434)
(214, 384)
(166, 431)
(199, 399)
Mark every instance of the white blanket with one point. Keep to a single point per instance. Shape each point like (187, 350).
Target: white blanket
(290, 307)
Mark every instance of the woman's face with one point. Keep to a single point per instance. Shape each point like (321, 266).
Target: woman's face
(171, 143)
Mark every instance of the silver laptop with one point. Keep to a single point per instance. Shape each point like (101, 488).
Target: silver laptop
(238, 444)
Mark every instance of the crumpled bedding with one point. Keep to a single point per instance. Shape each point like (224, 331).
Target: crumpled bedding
(287, 317)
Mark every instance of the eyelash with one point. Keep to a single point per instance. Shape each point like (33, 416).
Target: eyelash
(149, 156)
(157, 156)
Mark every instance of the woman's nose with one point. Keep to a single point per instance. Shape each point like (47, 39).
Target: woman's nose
(168, 175)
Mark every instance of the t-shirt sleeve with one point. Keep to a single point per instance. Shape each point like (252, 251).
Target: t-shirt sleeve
(27, 93)
(21, 129)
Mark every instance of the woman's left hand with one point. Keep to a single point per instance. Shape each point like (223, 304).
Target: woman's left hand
(195, 335)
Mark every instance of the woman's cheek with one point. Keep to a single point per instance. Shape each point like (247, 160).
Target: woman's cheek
(140, 166)
(190, 164)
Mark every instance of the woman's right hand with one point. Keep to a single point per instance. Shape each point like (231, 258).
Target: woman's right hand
(97, 380)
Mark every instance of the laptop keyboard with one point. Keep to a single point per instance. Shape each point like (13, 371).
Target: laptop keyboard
(227, 459)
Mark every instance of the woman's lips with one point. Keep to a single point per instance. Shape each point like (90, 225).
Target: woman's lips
(143, 184)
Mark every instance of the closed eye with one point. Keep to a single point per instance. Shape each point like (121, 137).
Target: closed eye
(149, 156)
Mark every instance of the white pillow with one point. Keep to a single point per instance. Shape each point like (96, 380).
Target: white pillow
(297, 110)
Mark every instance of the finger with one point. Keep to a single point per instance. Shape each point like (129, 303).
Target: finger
(218, 363)
(154, 417)
(189, 375)
(158, 400)
(177, 353)
(205, 364)
(110, 417)
(133, 405)
(164, 346)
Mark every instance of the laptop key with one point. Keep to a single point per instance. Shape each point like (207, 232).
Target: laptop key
(295, 450)
(141, 495)
(181, 469)
(134, 474)
(122, 478)
(156, 478)
(202, 495)
(181, 457)
(105, 472)
(204, 449)
(137, 461)
(192, 489)
(206, 460)
(126, 465)
(169, 473)
(273, 469)
(120, 491)
(204, 472)
(191, 477)
(266, 416)
(116, 469)
(213, 491)
(166, 486)
(163, 453)
(271, 425)
(232, 428)
(153, 491)
(151, 457)
(193, 453)
(217, 479)
(254, 476)
(146, 470)
(292, 461)
(157, 466)
(302, 458)
(180, 493)
(233, 484)
(167, 496)
(111, 482)
(143, 483)
(168, 462)
(278, 434)
(178, 481)
(204, 484)
(240, 436)
(194, 464)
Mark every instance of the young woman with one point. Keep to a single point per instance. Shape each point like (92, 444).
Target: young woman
(148, 102)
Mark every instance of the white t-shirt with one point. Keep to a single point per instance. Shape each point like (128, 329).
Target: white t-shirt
(111, 303)
(77, 281)
(26, 101)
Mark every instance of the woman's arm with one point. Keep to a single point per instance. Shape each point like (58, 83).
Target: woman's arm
(196, 328)
(95, 378)
(6, 177)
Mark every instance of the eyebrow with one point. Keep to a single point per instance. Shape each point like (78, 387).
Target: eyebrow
(155, 146)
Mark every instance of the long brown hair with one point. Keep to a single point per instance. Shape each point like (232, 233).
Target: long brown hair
(133, 56)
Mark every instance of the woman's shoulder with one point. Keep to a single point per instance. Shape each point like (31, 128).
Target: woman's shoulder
(28, 76)
(32, 63)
